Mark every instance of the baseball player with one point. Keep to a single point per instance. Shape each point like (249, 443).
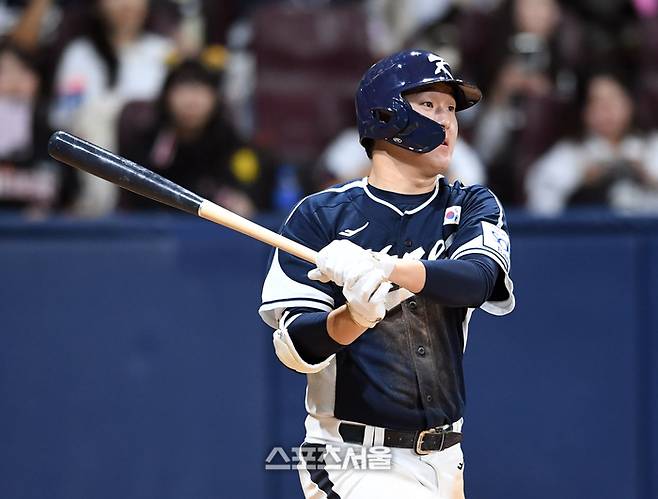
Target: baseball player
(380, 325)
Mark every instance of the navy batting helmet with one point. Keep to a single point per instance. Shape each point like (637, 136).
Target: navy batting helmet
(383, 113)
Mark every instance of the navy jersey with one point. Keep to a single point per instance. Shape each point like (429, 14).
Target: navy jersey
(406, 372)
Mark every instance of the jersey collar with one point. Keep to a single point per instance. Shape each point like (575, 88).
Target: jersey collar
(395, 208)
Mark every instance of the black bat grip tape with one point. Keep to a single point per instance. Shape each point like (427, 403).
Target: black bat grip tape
(127, 174)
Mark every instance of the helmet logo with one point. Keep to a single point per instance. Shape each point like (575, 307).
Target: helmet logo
(441, 65)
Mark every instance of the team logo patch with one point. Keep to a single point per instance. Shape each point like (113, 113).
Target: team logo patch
(496, 239)
(452, 215)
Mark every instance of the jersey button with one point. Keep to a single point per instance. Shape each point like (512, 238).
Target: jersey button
(408, 243)
(413, 305)
(429, 398)
(421, 351)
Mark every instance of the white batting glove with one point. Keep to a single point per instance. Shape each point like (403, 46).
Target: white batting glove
(366, 298)
(343, 262)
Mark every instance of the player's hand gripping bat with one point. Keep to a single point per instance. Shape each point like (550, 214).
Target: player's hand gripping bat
(90, 158)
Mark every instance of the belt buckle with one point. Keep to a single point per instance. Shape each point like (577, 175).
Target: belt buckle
(418, 448)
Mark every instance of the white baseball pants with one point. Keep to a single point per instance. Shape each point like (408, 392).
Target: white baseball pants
(334, 470)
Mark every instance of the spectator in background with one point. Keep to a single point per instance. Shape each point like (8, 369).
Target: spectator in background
(392, 24)
(116, 61)
(523, 114)
(608, 165)
(29, 180)
(610, 30)
(192, 144)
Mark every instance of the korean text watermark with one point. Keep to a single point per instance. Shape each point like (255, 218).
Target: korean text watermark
(329, 457)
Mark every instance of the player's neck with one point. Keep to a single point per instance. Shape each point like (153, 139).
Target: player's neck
(391, 175)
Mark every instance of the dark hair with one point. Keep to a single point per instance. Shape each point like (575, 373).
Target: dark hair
(191, 71)
(188, 71)
(98, 34)
(622, 78)
(369, 146)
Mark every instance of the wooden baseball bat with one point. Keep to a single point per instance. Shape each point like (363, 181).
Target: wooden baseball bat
(90, 158)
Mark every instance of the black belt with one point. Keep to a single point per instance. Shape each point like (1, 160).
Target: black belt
(422, 442)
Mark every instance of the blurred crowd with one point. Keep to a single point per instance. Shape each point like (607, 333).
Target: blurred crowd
(250, 103)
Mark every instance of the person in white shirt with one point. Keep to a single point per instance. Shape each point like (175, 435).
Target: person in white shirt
(609, 166)
(115, 62)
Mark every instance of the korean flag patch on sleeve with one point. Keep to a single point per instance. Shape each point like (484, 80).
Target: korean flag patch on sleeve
(496, 239)
(452, 215)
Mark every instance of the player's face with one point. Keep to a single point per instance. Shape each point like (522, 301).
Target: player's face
(438, 104)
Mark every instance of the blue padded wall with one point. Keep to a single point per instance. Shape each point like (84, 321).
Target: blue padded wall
(133, 364)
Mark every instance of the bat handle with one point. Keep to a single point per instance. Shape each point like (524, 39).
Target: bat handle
(215, 213)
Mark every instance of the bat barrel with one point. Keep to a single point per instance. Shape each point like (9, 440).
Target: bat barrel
(90, 158)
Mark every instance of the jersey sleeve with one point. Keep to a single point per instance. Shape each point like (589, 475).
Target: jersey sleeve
(287, 284)
(483, 230)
